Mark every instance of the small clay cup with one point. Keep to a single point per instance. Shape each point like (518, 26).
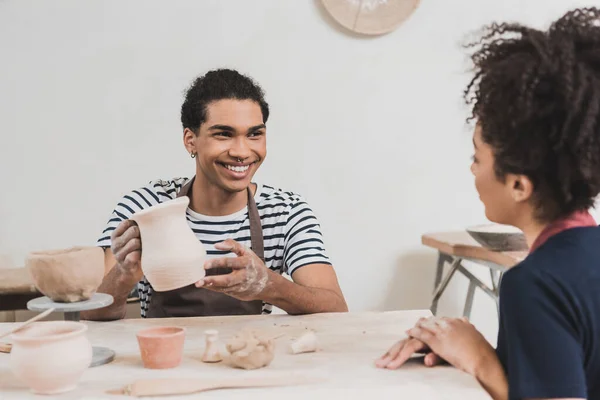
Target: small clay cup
(67, 275)
(161, 347)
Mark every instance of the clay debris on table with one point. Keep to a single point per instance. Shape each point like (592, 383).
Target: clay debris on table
(249, 351)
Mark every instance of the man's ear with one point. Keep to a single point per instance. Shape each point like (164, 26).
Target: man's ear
(189, 141)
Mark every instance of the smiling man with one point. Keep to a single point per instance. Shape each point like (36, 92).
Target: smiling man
(252, 232)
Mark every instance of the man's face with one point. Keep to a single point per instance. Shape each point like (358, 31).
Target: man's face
(231, 144)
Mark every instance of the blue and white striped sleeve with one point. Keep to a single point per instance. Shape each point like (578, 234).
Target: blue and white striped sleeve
(303, 242)
(134, 201)
(154, 193)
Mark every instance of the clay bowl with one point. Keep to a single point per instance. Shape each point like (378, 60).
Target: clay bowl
(499, 237)
(161, 347)
(51, 356)
(67, 275)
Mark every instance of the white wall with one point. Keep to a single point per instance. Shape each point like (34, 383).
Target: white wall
(370, 130)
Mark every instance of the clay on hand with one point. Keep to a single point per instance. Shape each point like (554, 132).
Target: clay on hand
(306, 343)
(248, 279)
(248, 351)
(211, 352)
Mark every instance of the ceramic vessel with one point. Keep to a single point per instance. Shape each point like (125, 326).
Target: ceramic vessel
(161, 347)
(172, 256)
(498, 237)
(51, 356)
(67, 275)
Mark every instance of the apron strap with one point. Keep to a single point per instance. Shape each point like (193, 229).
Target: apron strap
(186, 188)
(256, 233)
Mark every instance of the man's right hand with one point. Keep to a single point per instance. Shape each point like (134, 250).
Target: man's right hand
(123, 262)
(126, 246)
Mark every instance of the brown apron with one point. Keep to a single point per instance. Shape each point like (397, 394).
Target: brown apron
(190, 301)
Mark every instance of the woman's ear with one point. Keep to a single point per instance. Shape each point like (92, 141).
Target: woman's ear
(521, 187)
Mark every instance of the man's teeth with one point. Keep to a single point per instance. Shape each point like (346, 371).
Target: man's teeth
(238, 169)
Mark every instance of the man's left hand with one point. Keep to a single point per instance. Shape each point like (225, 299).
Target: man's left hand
(248, 278)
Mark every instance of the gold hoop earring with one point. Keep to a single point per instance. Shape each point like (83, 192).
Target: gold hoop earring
(193, 155)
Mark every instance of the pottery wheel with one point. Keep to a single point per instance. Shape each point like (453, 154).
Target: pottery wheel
(101, 355)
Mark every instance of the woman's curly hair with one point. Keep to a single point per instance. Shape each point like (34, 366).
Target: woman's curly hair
(536, 96)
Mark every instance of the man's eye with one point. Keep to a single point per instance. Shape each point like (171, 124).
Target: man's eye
(255, 134)
(224, 134)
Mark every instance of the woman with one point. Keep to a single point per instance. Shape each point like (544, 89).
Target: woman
(536, 100)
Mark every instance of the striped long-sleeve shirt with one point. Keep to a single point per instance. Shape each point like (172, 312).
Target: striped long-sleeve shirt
(291, 231)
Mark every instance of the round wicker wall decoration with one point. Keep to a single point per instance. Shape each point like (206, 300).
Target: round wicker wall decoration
(370, 17)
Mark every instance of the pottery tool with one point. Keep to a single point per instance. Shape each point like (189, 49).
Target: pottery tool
(170, 387)
(5, 347)
(29, 321)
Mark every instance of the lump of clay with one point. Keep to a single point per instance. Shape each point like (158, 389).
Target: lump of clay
(306, 343)
(248, 351)
(211, 351)
(67, 275)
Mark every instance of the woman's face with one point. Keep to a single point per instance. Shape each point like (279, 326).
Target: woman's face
(503, 199)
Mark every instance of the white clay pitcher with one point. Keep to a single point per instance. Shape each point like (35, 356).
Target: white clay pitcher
(172, 256)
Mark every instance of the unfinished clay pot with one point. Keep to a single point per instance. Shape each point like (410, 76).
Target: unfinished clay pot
(51, 356)
(172, 256)
(67, 275)
(161, 347)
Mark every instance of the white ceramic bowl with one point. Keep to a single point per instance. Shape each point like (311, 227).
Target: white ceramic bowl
(499, 237)
(51, 356)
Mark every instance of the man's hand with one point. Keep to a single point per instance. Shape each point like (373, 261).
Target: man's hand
(126, 246)
(122, 261)
(248, 278)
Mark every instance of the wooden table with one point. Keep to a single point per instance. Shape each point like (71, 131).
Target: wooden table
(349, 344)
(456, 247)
(16, 289)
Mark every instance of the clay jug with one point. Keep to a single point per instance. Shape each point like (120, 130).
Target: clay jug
(51, 356)
(172, 256)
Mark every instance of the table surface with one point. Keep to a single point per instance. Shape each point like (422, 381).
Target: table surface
(348, 345)
(16, 281)
(461, 244)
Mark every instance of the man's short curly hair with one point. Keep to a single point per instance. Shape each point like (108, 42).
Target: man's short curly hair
(536, 96)
(217, 85)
